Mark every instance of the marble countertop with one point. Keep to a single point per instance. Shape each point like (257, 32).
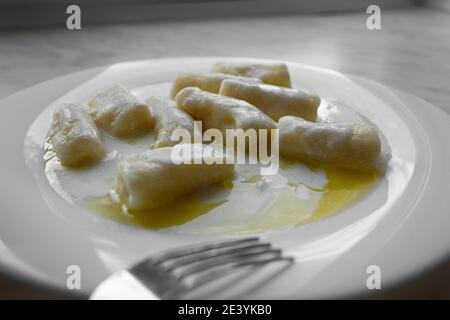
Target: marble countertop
(411, 52)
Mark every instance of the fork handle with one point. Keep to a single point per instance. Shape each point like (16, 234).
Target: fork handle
(122, 285)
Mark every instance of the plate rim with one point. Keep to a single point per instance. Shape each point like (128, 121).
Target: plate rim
(30, 279)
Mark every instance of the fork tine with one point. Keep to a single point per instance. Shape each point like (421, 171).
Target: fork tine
(222, 271)
(187, 271)
(188, 250)
(209, 255)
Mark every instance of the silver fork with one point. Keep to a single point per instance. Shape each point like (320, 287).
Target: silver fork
(173, 273)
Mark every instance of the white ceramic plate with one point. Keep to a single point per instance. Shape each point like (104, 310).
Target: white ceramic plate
(402, 226)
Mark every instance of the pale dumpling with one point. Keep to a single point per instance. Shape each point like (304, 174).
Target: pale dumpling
(116, 110)
(351, 145)
(168, 118)
(270, 73)
(206, 81)
(216, 111)
(152, 179)
(274, 101)
(75, 138)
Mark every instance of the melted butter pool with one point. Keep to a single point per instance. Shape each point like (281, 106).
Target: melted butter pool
(291, 207)
(216, 209)
(177, 212)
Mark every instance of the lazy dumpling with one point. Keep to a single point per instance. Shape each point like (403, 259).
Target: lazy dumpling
(274, 101)
(116, 110)
(270, 73)
(167, 119)
(351, 145)
(74, 137)
(216, 111)
(206, 81)
(152, 179)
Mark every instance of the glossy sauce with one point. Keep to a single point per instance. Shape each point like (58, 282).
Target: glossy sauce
(287, 209)
(344, 188)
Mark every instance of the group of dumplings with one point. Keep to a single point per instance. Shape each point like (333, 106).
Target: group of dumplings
(235, 95)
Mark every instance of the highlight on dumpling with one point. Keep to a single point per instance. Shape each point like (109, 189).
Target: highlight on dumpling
(210, 81)
(275, 73)
(351, 145)
(75, 138)
(116, 110)
(274, 101)
(152, 179)
(168, 118)
(220, 112)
